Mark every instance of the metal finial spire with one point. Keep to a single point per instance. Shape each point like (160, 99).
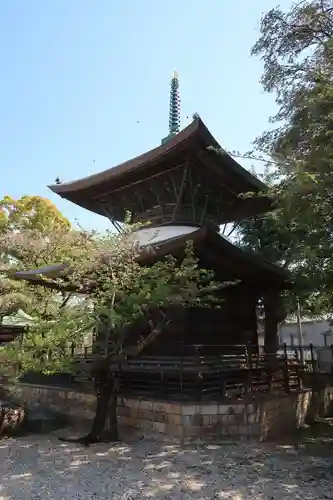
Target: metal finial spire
(174, 110)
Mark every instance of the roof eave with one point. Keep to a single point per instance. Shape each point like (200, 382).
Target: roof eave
(196, 130)
(147, 158)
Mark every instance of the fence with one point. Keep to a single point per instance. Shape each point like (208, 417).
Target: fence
(196, 372)
(314, 358)
(200, 372)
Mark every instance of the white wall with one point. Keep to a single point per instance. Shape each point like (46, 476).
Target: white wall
(312, 333)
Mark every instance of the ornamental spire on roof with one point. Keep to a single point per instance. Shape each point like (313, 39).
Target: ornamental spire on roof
(174, 110)
(174, 113)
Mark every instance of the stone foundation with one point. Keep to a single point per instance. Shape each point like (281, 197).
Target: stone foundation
(263, 418)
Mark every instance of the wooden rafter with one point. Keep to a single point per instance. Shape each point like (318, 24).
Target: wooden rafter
(131, 185)
(207, 160)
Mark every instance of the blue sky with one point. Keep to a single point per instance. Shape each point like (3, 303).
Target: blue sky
(84, 83)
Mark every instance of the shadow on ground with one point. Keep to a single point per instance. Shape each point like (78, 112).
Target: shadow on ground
(39, 467)
(316, 439)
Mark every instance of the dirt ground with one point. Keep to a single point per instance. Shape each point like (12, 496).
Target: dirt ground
(39, 467)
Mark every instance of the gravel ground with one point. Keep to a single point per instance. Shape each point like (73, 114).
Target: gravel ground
(42, 467)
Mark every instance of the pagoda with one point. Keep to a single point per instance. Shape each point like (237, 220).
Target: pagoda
(186, 189)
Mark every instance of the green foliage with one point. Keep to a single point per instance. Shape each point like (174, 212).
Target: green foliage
(30, 212)
(36, 218)
(13, 296)
(46, 348)
(112, 284)
(296, 47)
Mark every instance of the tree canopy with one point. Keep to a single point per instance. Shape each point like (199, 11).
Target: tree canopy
(30, 212)
(17, 217)
(296, 48)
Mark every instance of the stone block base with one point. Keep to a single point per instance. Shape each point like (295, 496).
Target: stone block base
(263, 418)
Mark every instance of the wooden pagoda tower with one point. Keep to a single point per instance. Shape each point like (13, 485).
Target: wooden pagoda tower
(186, 191)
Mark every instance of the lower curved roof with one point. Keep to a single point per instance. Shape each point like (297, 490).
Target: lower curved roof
(224, 255)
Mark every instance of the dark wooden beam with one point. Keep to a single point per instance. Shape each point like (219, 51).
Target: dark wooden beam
(205, 161)
(108, 212)
(204, 210)
(156, 191)
(180, 192)
(232, 182)
(139, 198)
(145, 179)
(191, 187)
(219, 195)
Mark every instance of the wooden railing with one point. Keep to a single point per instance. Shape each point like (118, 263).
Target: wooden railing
(307, 354)
(205, 372)
(200, 372)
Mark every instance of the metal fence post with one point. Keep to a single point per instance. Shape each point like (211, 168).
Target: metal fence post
(285, 370)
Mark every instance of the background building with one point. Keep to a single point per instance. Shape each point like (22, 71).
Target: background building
(316, 331)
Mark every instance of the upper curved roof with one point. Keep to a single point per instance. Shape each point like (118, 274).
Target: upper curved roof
(196, 134)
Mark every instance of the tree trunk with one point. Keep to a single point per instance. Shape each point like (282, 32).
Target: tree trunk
(105, 424)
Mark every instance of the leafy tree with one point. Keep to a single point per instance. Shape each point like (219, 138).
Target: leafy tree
(113, 285)
(30, 212)
(296, 48)
(12, 297)
(40, 216)
(21, 250)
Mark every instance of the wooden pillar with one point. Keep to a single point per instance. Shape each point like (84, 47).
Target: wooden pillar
(254, 323)
(248, 307)
(272, 309)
